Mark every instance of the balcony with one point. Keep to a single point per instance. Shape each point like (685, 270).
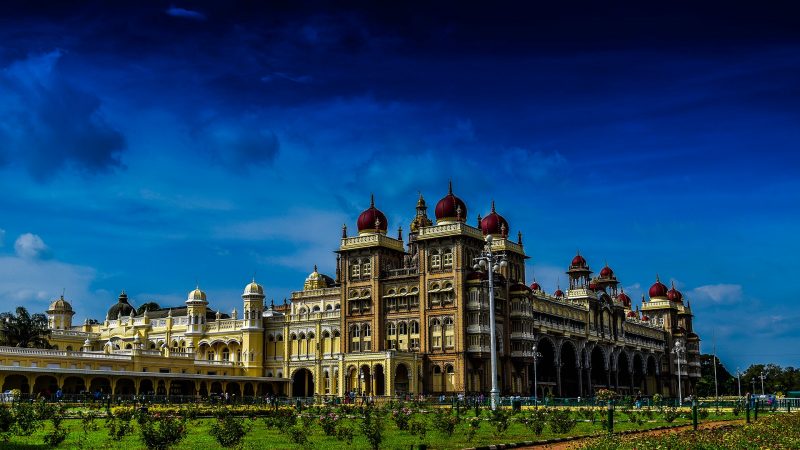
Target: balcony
(477, 304)
(478, 328)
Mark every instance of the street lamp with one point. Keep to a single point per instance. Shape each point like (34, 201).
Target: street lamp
(739, 380)
(536, 356)
(491, 262)
(678, 350)
(762, 376)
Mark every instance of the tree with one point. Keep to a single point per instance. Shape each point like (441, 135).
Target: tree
(23, 329)
(705, 385)
(149, 306)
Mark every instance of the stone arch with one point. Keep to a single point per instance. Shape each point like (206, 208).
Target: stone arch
(125, 386)
(599, 367)
(380, 380)
(302, 383)
(46, 385)
(101, 384)
(570, 370)
(638, 373)
(544, 367)
(402, 378)
(74, 385)
(624, 376)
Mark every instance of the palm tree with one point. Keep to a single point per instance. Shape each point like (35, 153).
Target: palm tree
(24, 329)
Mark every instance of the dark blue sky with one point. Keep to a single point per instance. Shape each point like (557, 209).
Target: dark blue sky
(147, 145)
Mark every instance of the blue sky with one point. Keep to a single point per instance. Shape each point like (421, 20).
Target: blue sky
(151, 146)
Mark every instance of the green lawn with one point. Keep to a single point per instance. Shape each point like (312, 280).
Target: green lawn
(262, 437)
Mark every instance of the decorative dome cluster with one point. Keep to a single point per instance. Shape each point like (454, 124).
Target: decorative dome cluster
(121, 308)
(578, 262)
(675, 295)
(372, 220)
(196, 296)
(253, 289)
(450, 208)
(60, 306)
(624, 299)
(316, 280)
(494, 224)
(606, 272)
(658, 290)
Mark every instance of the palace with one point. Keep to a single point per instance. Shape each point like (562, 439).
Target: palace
(396, 318)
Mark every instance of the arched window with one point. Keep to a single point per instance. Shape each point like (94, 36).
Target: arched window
(329, 307)
(391, 330)
(356, 331)
(316, 308)
(402, 328)
(367, 330)
(436, 260)
(447, 258)
(366, 267)
(414, 325)
(355, 270)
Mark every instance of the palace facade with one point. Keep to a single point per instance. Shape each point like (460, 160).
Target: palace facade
(397, 317)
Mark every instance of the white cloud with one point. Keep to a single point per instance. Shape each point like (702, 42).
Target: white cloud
(34, 283)
(31, 246)
(717, 293)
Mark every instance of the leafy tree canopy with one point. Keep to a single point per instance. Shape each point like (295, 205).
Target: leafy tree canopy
(23, 329)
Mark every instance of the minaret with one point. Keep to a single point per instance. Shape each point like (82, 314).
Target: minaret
(253, 298)
(253, 329)
(196, 307)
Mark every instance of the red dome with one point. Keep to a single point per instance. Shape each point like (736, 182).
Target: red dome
(624, 299)
(451, 208)
(658, 289)
(494, 224)
(606, 272)
(578, 261)
(593, 286)
(558, 293)
(372, 220)
(645, 318)
(631, 314)
(675, 295)
(535, 286)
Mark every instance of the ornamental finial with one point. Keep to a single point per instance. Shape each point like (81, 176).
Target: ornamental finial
(344, 230)
(519, 237)
(492, 205)
(315, 267)
(450, 187)
(371, 200)
(479, 220)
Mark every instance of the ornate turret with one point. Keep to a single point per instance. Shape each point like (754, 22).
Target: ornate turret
(450, 208)
(59, 315)
(121, 308)
(494, 224)
(421, 219)
(196, 307)
(372, 220)
(253, 298)
(578, 272)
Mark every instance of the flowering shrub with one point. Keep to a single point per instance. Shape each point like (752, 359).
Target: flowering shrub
(445, 423)
(670, 413)
(280, 419)
(328, 421)
(560, 420)
(229, 430)
(159, 432)
(500, 420)
(534, 420)
(401, 417)
(605, 394)
(473, 425)
(372, 427)
(119, 423)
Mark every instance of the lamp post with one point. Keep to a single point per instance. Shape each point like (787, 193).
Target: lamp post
(678, 350)
(739, 381)
(491, 262)
(762, 376)
(536, 356)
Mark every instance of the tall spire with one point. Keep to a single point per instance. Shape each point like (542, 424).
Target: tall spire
(450, 187)
(371, 200)
(493, 206)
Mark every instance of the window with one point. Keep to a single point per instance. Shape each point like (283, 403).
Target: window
(355, 270)
(436, 260)
(414, 325)
(448, 259)
(391, 330)
(367, 268)
(402, 329)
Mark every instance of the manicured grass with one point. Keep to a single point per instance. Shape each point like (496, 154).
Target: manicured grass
(262, 437)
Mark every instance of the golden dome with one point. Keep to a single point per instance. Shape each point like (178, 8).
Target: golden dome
(253, 289)
(316, 280)
(196, 295)
(60, 305)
